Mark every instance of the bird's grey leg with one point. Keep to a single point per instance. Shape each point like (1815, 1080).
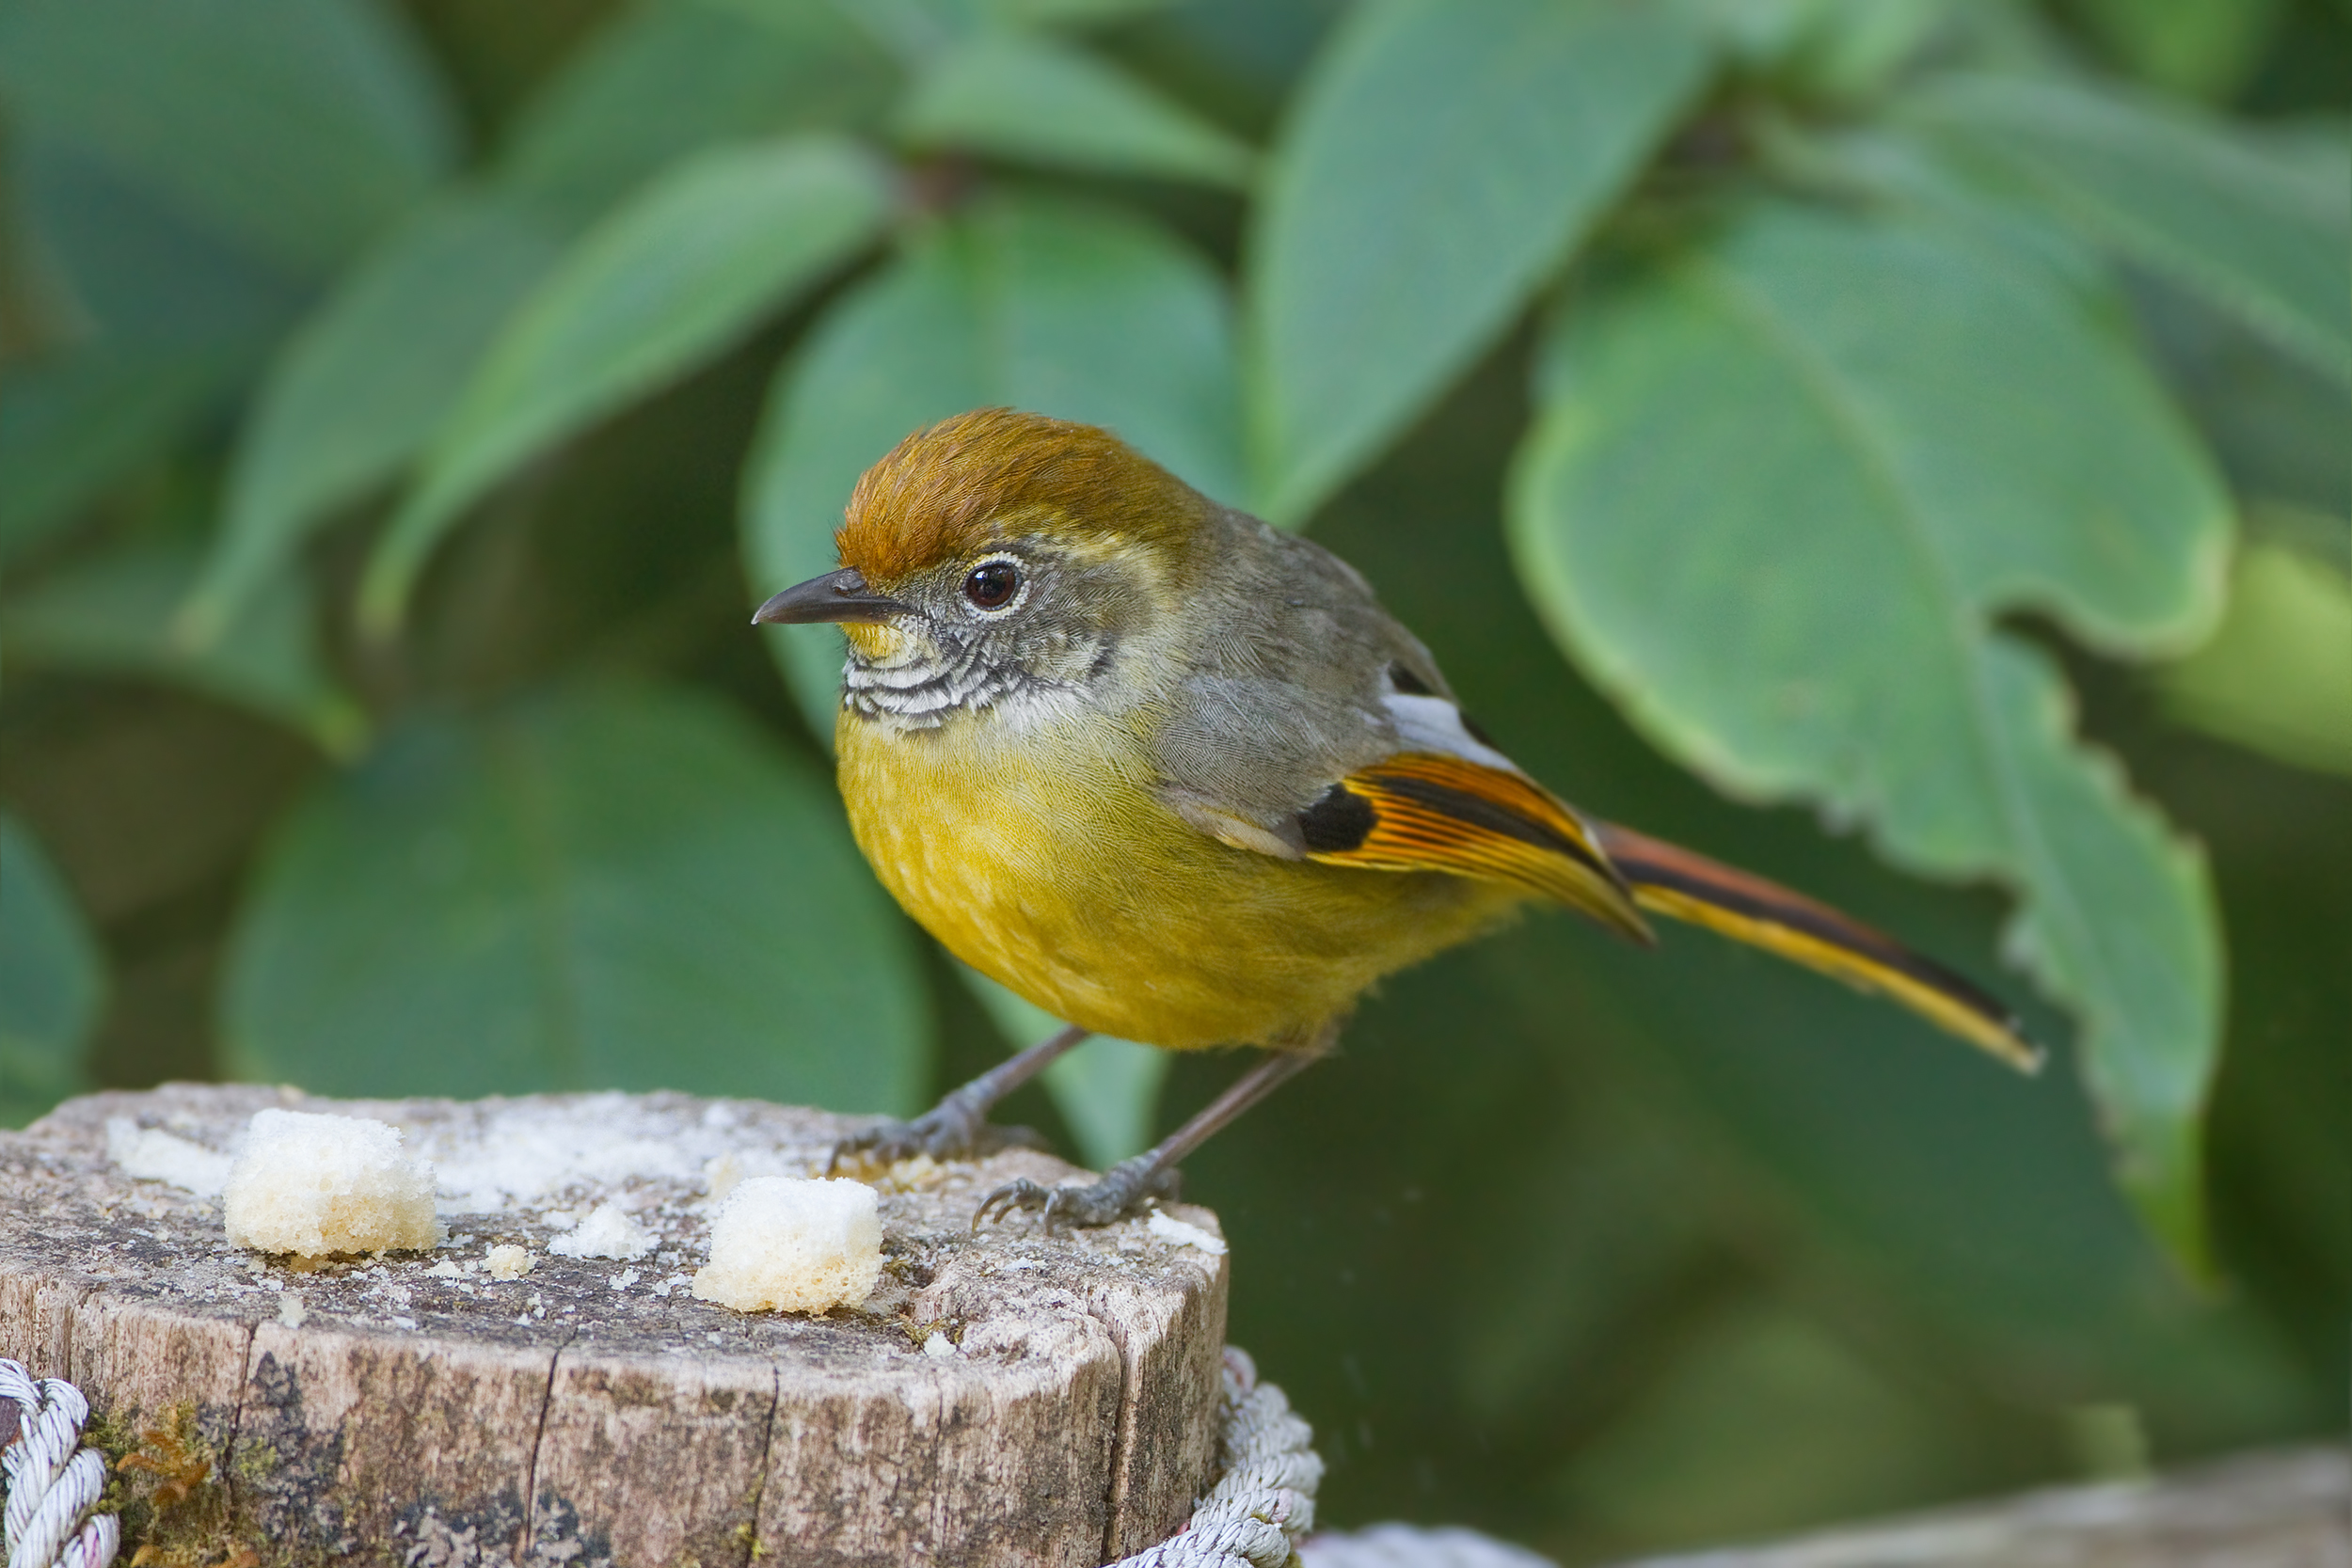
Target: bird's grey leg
(954, 1126)
(1154, 1173)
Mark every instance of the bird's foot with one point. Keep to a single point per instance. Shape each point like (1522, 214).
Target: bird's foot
(950, 1130)
(1120, 1190)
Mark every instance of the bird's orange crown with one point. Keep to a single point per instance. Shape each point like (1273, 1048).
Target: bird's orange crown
(967, 481)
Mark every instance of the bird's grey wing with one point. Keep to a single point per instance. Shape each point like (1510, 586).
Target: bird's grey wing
(1299, 678)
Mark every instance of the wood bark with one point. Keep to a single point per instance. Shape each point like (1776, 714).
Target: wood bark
(380, 1409)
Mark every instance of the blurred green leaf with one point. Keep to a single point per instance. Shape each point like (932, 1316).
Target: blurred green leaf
(1028, 98)
(2261, 234)
(608, 888)
(673, 278)
(51, 981)
(1784, 1418)
(112, 613)
(165, 322)
(2278, 675)
(1108, 1090)
(1443, 158)
(1075, 311)
(1833, 49)
(361, 385)
(669, 77)
(2202, 47)
(1801, 605)
(72, 427)
(302, 127)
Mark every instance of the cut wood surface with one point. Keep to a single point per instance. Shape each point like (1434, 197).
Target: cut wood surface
(412, 1409)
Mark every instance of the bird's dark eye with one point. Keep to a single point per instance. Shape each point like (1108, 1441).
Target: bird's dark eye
(991, 584)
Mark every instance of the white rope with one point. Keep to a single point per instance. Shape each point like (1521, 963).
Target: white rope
(1264, 1496)
(52, 1480)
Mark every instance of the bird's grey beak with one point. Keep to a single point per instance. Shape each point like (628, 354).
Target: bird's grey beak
(835, 596)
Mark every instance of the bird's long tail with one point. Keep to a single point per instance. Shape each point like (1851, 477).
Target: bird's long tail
(1685, 886)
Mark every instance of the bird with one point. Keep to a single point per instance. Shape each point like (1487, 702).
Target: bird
(1175, 775)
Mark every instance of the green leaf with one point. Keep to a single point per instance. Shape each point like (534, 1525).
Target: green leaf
(302, 127)
(74, 426)
(1803, 602)
(1442, 160)
(673, 77)
(51, 981)
(169, 322)
(2261, 232)
(2278, 675)
(2204, 47)
(1073, 311)
(112, 614)
(608, 888)
(669, 281)
(1108, 1090)
(1032, 99)
(358, 391)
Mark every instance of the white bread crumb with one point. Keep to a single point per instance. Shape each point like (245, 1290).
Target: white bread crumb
(1167, 1227)
(507, 1261)
(316, 1185)
(607, 1233)
(150, 1154)
(789, 1245)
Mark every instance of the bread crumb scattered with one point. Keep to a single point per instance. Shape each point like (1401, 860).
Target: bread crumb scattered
(607, 1233)
(319, 1185)
(506, 1261)
(939, 1345)
(291, 1310)
(150, 1154)
(1167, 1227)
(792, 1244)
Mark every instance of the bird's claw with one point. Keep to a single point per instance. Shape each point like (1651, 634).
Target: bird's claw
(946, 1131)
(1122, 1190)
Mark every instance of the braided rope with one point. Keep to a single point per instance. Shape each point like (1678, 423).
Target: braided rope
(54, 1482)
(1264, 1496)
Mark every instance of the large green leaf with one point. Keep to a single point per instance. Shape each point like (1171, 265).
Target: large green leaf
(2276, 676)
(675, 277)
(1029, 97)
(603, 889)
(1441, 161)
(1785, 482)
(51, 981)
(168, 321)
(2262, 233)
(112, 614)
(299, 126)
(1067, 311)
(361, 385)
(669, 77)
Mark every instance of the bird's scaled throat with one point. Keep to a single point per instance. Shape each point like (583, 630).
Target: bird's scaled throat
(905, 680)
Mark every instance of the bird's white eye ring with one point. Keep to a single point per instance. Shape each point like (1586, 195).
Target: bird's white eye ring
(996, 586)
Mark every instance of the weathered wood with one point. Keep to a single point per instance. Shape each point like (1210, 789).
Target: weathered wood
(2260, 1511)
(397, 1410)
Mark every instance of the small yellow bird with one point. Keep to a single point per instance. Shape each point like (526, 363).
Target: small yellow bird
(1175, 776)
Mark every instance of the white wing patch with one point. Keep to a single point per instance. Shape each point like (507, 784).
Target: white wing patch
(1427, 723)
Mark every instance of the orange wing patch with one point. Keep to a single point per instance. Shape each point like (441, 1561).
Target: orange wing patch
(1426, 810)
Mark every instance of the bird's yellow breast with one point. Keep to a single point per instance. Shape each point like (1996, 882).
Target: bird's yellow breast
(1043, 857)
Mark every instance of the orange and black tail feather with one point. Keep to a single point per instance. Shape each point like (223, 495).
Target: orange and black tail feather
(1690, 887)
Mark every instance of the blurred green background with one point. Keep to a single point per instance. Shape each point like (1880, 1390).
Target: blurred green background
(1896, 445)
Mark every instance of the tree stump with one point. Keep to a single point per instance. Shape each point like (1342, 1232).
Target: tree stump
(1004, 1396)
